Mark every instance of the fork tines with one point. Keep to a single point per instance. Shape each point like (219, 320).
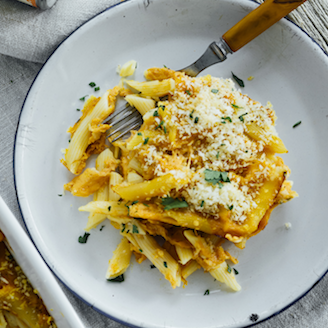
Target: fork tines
(123, 121)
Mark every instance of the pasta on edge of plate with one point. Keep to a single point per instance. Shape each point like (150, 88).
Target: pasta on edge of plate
(201, 170)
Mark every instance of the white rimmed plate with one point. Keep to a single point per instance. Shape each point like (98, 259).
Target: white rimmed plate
(278, 266)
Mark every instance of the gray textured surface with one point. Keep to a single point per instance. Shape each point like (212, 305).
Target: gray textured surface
(27, 38)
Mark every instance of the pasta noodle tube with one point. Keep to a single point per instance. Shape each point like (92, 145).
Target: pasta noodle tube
(274, 143)
(134, 177)
(139, 138)
(128, 68)
(184, 254)
(75, 154)
(143, 105)
(103, 161)
(182, 218)
(163, 261)
(88, 182)
(153, 88)
(108, 208)
(213, 259)
(208, 255)
(159, 186)
(115, 178)
(120, 260)
(226, 275)
(189, 269)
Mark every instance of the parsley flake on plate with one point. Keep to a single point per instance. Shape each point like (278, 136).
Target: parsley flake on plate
(171, 203)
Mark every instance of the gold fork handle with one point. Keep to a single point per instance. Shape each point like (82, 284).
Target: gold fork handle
(257, 21)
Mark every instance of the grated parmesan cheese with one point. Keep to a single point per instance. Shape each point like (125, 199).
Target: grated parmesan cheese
(211, 118)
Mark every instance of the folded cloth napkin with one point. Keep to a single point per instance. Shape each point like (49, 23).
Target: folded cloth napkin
(32, 34)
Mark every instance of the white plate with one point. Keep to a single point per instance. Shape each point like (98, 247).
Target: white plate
(37, 271)
(278, 266)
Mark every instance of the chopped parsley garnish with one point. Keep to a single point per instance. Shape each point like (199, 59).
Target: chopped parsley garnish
(92, 84)
(97, 88)
(159, 125)
(139, 134)
(145, 204)
(152, 266)
(127, 207)
(78, 109)
(214, 90)
(83, 239)
(171, 203)
(102, 227)
(217, 155)
(236, 272)
(202, 203)
(297, 124)
(83, 98)
(140, 250)
(190, 115)
(196, 119)
(162, 107)
(188, 92)
(216, 177)
(146, 140)
(135, 229)
(241, 117)
(164, 129)
(123, 225)
(164, 66)
(228, 268)
(233, 105)
(109, 207)
(238, 80)
(228, 118)
(135, 202)
(207, 292)
(223, 122)
(230, 207)
(156, 113)
(60, 195)
(117, 279)
(69, 140)
(165, 264)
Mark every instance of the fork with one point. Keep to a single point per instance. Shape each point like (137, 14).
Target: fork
(257, 21)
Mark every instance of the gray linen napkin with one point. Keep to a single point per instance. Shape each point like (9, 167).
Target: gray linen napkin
(31, 34)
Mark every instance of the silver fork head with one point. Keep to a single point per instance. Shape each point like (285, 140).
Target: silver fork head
(123, 121)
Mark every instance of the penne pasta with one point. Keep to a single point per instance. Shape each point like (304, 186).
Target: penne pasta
(120, 260)
(115, 179)
(201, 170)
(75, 155)
(184, 254)
(159, 186)
(143, 105)
(226, 275)
(128, 68)
(163, 261)
(189, 269)
(153, 88)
